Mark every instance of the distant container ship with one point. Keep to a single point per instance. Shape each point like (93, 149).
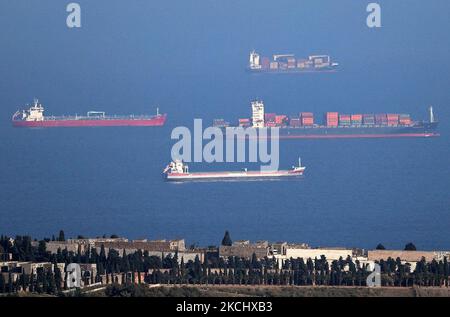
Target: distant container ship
(336, 125)
(34, 118)
(288, 63)
(178, 171)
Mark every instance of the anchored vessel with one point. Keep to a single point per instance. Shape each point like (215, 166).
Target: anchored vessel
(178, 171)
(34, 118)
(336, 125)
(288, 63)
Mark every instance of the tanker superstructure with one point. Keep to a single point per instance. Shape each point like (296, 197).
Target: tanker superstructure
(178, 171)
(34, 118)
(288, 63)
(336, 125)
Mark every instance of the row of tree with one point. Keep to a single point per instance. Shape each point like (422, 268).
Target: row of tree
(214, 270)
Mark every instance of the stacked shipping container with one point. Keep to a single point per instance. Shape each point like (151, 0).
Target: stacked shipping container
(392, 119)
(331, 119)
(344, 120)
(369, 119)
(220, 123)
(280, 119)
(381, 119)
(404, 119)
(244, 122)
(295, 122)
(269, 117)
(291, 62)
(273, 65)
(356, 119)
(307, 119)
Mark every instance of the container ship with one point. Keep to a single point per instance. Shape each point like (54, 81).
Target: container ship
(288, 63)
(34, 118)
(178, 171)
(336, 125)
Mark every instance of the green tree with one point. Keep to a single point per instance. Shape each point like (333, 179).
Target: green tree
(61, 236)
(125, 262)
(58, 279)
(226, 241)
(42, 251)
(410, 247)
(380, 247)
(2, 284)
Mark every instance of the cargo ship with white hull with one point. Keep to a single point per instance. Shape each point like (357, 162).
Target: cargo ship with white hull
(34, 118)
(178, 171)
(336, 125)
(288, 63)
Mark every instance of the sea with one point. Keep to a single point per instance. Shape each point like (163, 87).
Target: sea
(188, 58)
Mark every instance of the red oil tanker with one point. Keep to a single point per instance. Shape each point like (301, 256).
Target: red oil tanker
(34, 118)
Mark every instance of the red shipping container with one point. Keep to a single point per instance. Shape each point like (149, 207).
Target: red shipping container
(270, 116)
(331, 119)
(332, 115)
(405, 121)
(279, 119)
(392, 119)
(244, 122)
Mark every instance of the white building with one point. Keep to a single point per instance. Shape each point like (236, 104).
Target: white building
(330, 254)
(258, 114)
(254, 62)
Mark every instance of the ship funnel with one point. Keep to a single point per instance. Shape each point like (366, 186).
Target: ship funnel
(431, 114)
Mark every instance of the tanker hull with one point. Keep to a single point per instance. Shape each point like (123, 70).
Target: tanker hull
(157, 121)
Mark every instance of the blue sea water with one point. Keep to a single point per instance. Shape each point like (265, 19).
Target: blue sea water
(189, 57)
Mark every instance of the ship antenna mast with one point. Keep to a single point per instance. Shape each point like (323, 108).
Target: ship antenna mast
(431, 114)
(299, 162)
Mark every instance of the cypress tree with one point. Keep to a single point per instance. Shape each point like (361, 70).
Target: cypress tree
(226, 241)
(2, 284)
(61, 236)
